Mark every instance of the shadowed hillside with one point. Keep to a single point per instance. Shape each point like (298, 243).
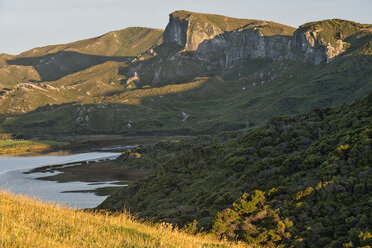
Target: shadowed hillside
(54, 66)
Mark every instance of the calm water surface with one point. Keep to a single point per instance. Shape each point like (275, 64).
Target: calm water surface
(13, 178)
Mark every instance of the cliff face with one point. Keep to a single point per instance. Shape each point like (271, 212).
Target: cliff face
(190, 29)
(315, 49)
(176, 31)
(237, 45)
(232, 39)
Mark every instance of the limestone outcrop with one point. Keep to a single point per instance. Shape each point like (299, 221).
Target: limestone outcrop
(237, 45)
(228, 40)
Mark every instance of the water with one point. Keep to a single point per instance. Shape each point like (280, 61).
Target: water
(13, 178)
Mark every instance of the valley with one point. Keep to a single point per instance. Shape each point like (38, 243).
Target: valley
(248, 132)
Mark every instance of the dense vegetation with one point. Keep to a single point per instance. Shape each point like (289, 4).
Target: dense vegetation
(29, 223)
(307, 177)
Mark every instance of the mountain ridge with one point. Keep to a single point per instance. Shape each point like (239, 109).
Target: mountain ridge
(83, 45)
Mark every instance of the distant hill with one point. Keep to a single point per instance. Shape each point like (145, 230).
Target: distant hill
(56, 61)
(126, 42)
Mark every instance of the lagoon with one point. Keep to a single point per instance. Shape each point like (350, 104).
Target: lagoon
(15, 177)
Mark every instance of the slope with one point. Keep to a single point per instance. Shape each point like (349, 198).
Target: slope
(244, 96)
(56, 61)
(312, 168)
(26, 223)
(126, 42)
(241, 74)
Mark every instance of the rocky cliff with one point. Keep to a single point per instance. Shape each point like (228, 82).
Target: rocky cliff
(190, 29)
(322, 41)
(229, 39)
(240, 44)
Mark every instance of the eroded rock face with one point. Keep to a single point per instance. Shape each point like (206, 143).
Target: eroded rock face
(211, 43)
(309, 48)
(313, 49)
(332, 52)
(176, 31)
(237, 45)
(188, 32)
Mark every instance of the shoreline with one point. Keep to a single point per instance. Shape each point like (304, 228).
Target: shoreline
(83, 144)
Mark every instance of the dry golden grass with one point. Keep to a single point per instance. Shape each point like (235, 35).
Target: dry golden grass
(134, 97)
(21, 146)
(30, 223)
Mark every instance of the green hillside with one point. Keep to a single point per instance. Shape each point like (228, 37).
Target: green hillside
(311, 168)
(126, 42)
(336, 29)
(217, 103)
(100, 85)
(56, 61)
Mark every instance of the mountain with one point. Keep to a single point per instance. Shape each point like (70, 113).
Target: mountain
(223, 73)
(310, 171)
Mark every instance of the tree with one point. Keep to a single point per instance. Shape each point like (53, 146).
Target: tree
(252, 221)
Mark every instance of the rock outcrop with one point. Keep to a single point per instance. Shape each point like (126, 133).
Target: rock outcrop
(228, 40)
(189, 29)
(176, 31)
(240, 44)
(315, 49)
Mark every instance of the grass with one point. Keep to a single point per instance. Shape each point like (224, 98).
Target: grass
(34, 65)
(21, 146)
(30, 223)
(222, 99)
(214, 104)
(126, 42)
(334, 29)
(224, 23)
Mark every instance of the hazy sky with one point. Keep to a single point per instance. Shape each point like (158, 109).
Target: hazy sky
(25, 24)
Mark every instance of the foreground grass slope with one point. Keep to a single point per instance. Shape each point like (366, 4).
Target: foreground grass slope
(29, 223)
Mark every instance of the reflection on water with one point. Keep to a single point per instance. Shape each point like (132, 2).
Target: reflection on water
(13, 178)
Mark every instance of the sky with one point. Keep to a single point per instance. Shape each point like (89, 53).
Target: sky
(25, 24)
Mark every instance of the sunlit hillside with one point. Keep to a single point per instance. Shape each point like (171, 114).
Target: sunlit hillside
(29, 223)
